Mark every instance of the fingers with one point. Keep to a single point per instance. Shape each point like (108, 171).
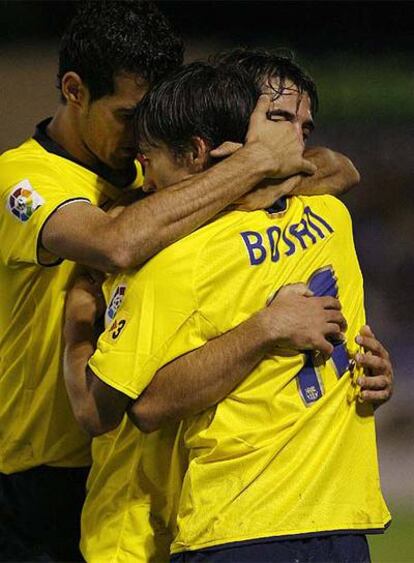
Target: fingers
(330, 303)
(377, 389)
(372, 345)
(225, 149)
(369, 362)
(375, 397)
(367, 331)
(375, 367)
(376, 383)
(325, 347)
(260, 111)
(335, 317)
(296, 288)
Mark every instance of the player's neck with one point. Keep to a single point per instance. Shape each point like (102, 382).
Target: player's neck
(64, 130)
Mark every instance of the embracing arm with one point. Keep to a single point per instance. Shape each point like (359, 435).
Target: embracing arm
(97, 407)
(87, 235)
(292, 319)
(335, 175)
(207, 375)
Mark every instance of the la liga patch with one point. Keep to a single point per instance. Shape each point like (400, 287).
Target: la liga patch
(114, 304)
(23, 201)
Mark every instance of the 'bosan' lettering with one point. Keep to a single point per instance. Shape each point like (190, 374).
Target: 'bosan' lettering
(307, 232)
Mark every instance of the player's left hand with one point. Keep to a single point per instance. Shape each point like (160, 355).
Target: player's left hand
(378, 380)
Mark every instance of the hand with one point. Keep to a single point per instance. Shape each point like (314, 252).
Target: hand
(296, 320)
(267, 192)
(275, 144)
(335, 173)
(377, 383)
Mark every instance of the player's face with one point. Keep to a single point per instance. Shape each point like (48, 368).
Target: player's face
(291, 106)
(107, 123)
(162, 168)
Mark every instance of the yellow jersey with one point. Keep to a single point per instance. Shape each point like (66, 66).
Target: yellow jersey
(36, 421)
(135, 480)
(291, 450)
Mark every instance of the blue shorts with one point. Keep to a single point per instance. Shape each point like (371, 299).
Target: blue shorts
(40, 514)
(336, 548)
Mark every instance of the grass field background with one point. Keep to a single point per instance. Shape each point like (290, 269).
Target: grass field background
(397, 544)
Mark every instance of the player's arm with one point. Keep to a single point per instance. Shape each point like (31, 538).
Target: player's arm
(97, 407)
(377, 383)
(207, 375)
(201, 378)
(335, 174)
(87, 235)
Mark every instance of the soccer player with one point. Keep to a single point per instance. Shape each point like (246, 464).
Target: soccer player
(291, 408)
(54, 189)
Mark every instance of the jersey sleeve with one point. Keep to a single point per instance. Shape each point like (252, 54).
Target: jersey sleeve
(157, 322)
(26, 203)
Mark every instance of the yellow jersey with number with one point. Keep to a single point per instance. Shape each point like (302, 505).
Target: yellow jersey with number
(291, 450)
(36, 421)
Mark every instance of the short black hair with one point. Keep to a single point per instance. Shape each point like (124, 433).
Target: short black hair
(109, 37)
(203, 100)
(263, 66)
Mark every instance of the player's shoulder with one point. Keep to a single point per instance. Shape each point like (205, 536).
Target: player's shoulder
(178, 264)
(28, 151)
(329, 205)
(26, 160)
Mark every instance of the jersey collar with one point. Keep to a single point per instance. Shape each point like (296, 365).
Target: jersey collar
(117, 179)
(278, 206)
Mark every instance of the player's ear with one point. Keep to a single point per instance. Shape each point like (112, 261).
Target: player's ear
(74, 90)
(198, 157)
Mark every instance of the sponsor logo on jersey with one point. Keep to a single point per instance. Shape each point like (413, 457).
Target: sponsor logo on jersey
(23, 201)
(115, 303)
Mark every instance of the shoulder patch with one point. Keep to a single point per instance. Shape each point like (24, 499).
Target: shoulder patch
(116, 301)
(23, 201)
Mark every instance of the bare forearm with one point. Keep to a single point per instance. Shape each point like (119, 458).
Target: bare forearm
(82, 308)
(201, 378)
(76, 356)
(335, 174)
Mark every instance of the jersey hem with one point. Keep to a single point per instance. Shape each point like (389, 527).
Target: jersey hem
(58, 261)
(268, 539)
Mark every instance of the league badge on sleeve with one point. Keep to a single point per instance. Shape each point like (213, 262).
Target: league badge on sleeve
(23, 201)
(114, 304)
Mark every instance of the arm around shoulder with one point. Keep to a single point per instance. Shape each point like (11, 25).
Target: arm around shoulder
(335, 173)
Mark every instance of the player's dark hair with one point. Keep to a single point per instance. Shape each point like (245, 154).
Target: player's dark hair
(108, 37)
(263, 66)
(201, 100)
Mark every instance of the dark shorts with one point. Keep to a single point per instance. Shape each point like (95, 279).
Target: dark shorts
(346, 548)
(40, 514)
